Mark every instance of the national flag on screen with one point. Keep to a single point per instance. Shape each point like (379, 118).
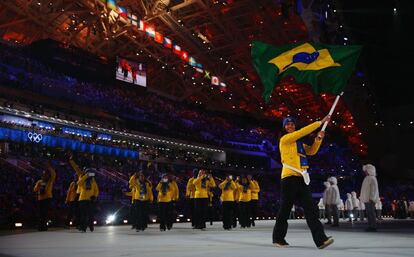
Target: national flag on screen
(223, 87)
(215, 80)
(122, 12)
(192, 61)
(133, 19)
(184, 56)
(142, 25)
(199, 70)
(167, 42)
(159, 38)
(177, 49)
(325, 67)
(150, 31)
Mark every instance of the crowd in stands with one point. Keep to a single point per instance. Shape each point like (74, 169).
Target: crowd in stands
(19, 70)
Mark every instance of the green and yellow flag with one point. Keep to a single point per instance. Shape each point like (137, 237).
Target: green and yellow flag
(326, 67)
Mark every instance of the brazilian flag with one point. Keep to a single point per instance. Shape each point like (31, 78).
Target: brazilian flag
(325, 67)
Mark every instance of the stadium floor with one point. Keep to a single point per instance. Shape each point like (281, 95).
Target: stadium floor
(394, 238)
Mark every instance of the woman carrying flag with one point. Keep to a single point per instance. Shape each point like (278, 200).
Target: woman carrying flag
(295, 181)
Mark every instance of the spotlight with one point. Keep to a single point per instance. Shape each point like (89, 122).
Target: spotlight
(154, 220)
(188, 220)
(94, 222)
(18, 225)
(177, 220)
(110, 218)
(125, 221)
(70, 223)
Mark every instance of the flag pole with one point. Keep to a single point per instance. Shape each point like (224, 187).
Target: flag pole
(332, 110)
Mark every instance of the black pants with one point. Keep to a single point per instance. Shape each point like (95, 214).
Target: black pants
(72, 213)
(370, 207)
(244, 214)
(235, 213)
(228, 214)
(165, 215)
(132, 214)
(332, 211)
(253, 210)
(294, 188)
(201, 205)
(192, 212)
(43, 208)
(141, 214)
(87, 209)
(210, 214)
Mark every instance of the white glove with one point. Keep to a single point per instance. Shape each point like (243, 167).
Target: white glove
(306, 177)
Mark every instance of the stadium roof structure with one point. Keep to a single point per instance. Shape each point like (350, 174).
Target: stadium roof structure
(215, 33)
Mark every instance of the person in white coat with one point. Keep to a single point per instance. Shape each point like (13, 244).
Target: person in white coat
(321, 207)
(355, 204)
(349, 207)
(341, 209)
(378, 209)
(361, 209)
(332, 201)
(370, 195)
(325, 194)
(411, 209)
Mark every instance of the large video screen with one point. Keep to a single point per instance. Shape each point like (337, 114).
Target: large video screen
(131, 72)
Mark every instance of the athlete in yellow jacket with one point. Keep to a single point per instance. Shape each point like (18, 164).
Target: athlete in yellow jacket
(44, 188)
(202, 184)
(293, 187)
(89, 191)
(255, 199)
(227, 197)
(190, 194)
(166, 192)
(142, 195)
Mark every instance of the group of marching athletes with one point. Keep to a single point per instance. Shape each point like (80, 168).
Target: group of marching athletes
(239, 199)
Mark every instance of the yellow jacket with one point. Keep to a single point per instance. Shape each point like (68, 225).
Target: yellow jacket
(136, 190)
(210, 198)
(130, 194)
(176, 191)
(236, 192)
(71, 194)
(289, 152)
(46, 192)
(245, 196)
(227, 195)
(202, 192)
(255, 190)
(190, 192)
(86, 194)
(78, 171)
(169, 194)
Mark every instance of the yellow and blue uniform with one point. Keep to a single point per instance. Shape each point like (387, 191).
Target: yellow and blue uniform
(176, 191)
(190, 191)
(168, 195)
(200, 190)
(87, 193)
(44, 189)
(255, 190)
(227, 190)
(293, 152)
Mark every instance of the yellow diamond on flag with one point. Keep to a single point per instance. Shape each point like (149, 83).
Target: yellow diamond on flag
(304, 57)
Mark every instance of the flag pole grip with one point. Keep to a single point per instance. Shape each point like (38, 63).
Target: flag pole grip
(332, 110)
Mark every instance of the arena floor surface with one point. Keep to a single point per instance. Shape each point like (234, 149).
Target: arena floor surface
(394, 238)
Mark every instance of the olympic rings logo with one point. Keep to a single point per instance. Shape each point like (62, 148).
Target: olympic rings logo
(34, 137)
